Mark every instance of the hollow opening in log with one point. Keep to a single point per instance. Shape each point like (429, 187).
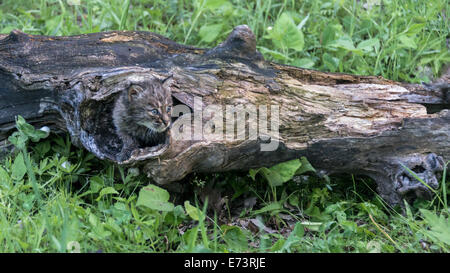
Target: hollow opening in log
(96, 121)
(97, 124)
(435, 108)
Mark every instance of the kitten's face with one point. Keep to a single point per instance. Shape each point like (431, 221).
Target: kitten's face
(151, 104)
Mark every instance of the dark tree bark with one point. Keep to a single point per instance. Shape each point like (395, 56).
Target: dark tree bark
(342, 123)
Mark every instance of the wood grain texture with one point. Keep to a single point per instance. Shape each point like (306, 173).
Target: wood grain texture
(340, 122)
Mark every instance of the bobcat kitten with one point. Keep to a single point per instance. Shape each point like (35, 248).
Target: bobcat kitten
(142, 114)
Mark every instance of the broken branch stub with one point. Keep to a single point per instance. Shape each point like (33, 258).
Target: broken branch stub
(240, 111)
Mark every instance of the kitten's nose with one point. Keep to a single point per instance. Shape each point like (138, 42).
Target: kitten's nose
(166, 120)
(167, 123)
(164, 125)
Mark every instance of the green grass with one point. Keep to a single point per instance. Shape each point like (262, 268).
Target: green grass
(54, 195)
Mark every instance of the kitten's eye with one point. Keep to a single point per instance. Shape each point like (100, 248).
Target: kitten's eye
(169, 108)
(154, 111)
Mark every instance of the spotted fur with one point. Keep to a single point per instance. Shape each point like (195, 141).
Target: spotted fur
(142, 114)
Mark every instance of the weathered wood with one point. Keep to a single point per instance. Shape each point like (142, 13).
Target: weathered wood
(341, 123)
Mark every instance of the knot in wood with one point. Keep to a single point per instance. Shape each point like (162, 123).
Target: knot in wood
(241, 43)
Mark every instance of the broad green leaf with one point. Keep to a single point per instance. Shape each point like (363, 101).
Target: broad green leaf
(18, 168)
(295, 236)
(340, 216)
(209, 33)
(215, 4)
(176, 216)
(190, 236)
(106, 191)
(369, 45)
(278, 245)
(416, 28)
(192, 211)
(285, 33)
(234, 237)
(329, 34)
(3, 175)
(305, 166)
(96, 184)
(294, 200)
(314, 213)
(178, 211)
(274, 178)
(298, 230)
(331, 63)
(304, 62)
(28, 130)
(439, 226)
(283, 172)
(93, 220)
(18, 140)
(372, 209)
(252, 173)
(154, 197)
(344, 42)
(43, 147)
(278, 174)
(121, 213)
(407, 41)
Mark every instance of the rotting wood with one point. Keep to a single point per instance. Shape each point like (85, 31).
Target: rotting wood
(342, 123)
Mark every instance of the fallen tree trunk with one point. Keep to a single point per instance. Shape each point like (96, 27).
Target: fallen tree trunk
(341, 123)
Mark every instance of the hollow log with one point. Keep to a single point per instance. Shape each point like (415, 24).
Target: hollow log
(341, 123)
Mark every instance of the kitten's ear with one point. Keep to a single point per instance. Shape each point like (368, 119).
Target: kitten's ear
(167, 82)
(133, 91)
